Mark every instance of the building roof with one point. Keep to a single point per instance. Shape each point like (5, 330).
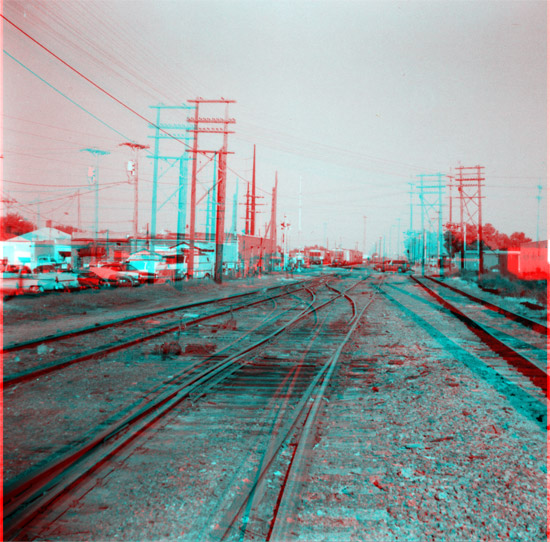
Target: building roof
(535, 244)
(145, 255)
(42, 234)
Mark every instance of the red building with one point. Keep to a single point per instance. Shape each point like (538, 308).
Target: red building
(533, 260)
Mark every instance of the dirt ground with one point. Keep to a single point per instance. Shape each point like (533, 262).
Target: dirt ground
(29, 316)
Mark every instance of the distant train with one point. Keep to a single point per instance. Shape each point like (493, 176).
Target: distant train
(337, 257)
(319, 256)
(347, 257)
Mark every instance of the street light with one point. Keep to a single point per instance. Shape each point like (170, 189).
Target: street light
(133, 172)
(94, 179)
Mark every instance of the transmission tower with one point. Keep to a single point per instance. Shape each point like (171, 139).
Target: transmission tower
(469, 182)
(431, 213)
(170, 130)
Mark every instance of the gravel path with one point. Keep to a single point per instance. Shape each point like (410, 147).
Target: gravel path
(415, 447)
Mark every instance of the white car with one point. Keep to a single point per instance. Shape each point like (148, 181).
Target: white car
(51, 278)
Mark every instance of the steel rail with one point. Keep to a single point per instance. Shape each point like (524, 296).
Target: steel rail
(524, 365)
(282, 435)
(352, 302)
(14, 489)
(529, 406)
(24, 501)
(194, 398)
(527, 322)
(111, 323)
(278, 530)
(276, 410)
(137, 338)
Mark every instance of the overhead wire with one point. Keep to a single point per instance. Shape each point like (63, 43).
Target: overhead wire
(54, 127)
(80, 74)
(65, 96)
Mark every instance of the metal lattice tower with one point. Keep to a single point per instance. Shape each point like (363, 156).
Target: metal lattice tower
(469, 182)
(170, 131)
(431, 213)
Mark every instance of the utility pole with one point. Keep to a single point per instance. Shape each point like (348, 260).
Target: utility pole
(538, 212)
(95, 180)
(235, 207)
(155, 177)
(222, 161)
(182, 199)
(211, 206)
(285, 226)
(412, 234)
(134, 177)
(78, 218)
(247, 219)
(431, 209)
(469, 187)
(274, 220)
(364, 235)
(450, 187)
(171, 131)
(253, 200)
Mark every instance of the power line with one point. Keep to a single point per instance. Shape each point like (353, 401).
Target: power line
(100, 88)
(65, 96)
(52, 126)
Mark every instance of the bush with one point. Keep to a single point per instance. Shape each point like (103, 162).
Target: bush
(534, 289)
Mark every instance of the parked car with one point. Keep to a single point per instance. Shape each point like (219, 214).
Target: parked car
(88, 279)
(56, 279)
(381, 265)
(17, 269)
(115, 271)
(22, 283)
(398, 266)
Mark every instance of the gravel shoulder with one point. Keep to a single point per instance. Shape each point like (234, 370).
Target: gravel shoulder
(414, 446)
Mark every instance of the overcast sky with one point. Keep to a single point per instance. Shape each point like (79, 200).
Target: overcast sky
(352, 99)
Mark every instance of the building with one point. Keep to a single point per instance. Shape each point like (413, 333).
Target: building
(45, 245)
(533, 261)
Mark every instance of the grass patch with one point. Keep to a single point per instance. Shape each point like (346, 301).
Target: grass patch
(506, 286)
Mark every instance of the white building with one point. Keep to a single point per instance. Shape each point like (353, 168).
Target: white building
(39, 246)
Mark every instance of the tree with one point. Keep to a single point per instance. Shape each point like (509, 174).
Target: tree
(518, 238)
(492, 238)
(67, 229)
(13, 225)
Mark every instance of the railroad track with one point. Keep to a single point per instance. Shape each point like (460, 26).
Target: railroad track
(501, 330)
(54, 480)
(22, 362)
(510, 357)
(117, 376)
(523, 320)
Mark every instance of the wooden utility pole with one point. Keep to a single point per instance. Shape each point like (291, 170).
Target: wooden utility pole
(253, 200)
(247, 218)
(222, 161)
(273, 224)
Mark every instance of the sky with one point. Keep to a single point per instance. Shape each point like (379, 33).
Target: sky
(348, 102)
